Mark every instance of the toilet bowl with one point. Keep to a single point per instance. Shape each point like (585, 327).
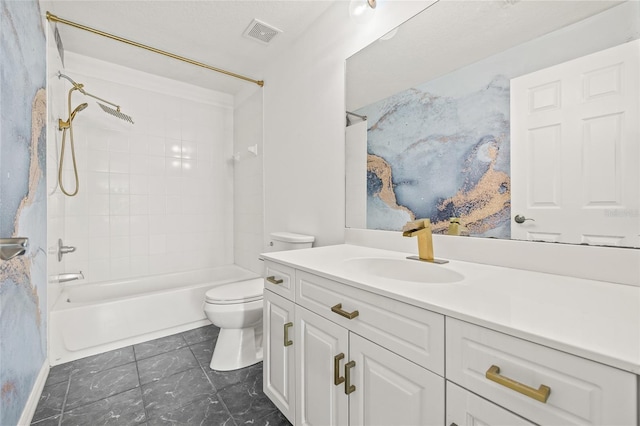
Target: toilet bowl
(237, 309)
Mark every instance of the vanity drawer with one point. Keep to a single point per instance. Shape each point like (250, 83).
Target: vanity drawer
(411, 332)
(279, 279)
(468, 409)
(580, 391)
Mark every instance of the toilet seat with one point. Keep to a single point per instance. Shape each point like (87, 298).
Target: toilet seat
(239, 292)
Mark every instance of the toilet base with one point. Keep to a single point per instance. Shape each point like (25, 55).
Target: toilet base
(237, 348)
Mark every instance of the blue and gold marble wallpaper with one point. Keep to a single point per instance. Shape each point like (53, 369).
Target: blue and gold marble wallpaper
(22, 203)
(438, 151)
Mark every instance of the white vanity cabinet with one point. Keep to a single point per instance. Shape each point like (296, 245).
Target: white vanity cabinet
(343, 377)
(338, 354)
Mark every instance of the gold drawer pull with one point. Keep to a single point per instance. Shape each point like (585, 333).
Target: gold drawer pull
(541, 394)
(337, 378)
(287, 342)
(338, 310)
(348, 387)
(272, 279)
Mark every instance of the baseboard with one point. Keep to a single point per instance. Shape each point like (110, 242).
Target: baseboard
(34, 397)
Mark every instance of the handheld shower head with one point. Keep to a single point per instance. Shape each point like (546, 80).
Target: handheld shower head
(77, 110)
(66, 124)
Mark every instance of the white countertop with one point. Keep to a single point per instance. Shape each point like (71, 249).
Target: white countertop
(592, 319)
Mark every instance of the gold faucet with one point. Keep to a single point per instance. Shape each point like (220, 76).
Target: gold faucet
(421, 228)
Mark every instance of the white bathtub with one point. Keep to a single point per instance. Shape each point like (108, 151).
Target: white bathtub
(93, 318)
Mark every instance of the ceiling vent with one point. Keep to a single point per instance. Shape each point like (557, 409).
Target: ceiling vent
(261, 32)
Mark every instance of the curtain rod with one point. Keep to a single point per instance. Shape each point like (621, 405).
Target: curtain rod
(54, 18)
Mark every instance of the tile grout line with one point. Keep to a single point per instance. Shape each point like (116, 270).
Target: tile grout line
(64, 402)
(217, 391)
(108, 396)
(203, 370)
(144, 405)
(188, 346)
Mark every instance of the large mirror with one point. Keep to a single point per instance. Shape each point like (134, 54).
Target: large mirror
(520, 119)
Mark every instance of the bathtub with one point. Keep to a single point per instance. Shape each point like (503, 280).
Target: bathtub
(88, 319)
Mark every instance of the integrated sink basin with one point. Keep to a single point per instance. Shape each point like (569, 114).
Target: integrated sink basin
(402, 270)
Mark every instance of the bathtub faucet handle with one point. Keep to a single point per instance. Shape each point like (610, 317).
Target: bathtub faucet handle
(62, 249)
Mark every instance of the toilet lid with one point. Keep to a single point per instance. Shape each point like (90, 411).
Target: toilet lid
(238, 292)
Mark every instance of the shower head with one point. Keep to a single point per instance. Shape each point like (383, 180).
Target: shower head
(66, 124)
(116, 112)
(77, 110)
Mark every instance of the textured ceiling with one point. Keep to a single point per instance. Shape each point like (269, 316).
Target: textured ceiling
(207, 31)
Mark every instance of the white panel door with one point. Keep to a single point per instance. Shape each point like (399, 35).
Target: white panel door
(391, 390)
(319, 400)
(467, 409)
(279, 360)
(575, 150)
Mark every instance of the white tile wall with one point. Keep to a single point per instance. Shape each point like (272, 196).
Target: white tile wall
(248, 194)
(157, 196)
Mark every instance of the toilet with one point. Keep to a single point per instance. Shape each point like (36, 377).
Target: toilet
(237, 309)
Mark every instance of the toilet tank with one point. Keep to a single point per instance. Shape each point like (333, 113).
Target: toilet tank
(289, 241)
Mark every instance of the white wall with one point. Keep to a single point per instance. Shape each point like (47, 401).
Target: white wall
(304, 121)
(56, 108)
(248, 184)
(156, 196)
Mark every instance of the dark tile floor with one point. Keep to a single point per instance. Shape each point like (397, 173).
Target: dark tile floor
(160, 382)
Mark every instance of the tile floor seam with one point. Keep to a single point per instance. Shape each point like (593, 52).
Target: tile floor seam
(268, 414)
(102, 399)
(217, 391)
(108, 396)
(64, 401)
(144, 406)
(215, 388)
(186, 404)
(233, 419)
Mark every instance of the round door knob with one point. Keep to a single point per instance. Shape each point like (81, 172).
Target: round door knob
(520, 219)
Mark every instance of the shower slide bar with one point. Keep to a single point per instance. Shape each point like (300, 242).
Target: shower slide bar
(53, 18)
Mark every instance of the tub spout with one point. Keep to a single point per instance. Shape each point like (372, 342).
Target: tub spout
(71, 276)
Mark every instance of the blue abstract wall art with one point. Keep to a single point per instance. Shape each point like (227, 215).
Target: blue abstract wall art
(437, 155)
(23, 292)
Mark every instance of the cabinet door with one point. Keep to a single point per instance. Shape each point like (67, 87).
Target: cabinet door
(319, 401)
(391, 390)
(279, 360)
(467, 409)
